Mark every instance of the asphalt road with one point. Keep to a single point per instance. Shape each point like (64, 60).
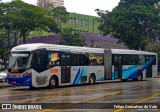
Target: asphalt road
(112, 96)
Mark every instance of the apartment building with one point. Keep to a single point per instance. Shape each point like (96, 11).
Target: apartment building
(48, 3)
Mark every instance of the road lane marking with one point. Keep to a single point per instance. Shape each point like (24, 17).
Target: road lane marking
(39, 92)
(75, 102)
(140, 101)
(20, 94)
(73, 91)
(56, 95)
(66, 93)
(64, 105)
(39, 98)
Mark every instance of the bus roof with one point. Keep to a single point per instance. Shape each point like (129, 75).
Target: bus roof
(54, 47)
(127, 51)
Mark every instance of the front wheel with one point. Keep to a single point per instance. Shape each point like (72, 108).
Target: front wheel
(140, 77)
(52, 82)
(5, 79)
(92, 79)
(124, 80)
(31, 87)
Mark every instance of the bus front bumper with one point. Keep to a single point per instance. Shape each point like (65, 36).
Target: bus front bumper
(24, 81)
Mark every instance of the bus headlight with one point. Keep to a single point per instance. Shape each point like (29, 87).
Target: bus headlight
(29, 72)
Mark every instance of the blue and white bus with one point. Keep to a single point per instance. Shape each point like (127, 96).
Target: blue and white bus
(39, 65)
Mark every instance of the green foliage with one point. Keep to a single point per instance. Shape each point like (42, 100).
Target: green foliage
(39, 32)
(2, 51)
(133, 22)
(71, 38)
(23, 18)
(127, 3)
(60, 14)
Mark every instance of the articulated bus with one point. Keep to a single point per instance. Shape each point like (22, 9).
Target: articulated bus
(40, 65)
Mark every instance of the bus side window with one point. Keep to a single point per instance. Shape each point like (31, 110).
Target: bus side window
(126, 59)
(141, 59)
(80, 60)
(86, 59)
(83, 60)
(75, 61)
(115, 60)
(147, 58)
(53, 59)
(134, 59)
(92, 59)
(100, 60)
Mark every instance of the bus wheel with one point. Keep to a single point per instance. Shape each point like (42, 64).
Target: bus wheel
(6, 80)
(31, 87)
(140, 76)
(52, 82)
(124, 80)
(92, 79)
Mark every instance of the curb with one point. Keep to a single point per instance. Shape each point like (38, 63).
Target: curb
(157, 77)
(6, 86)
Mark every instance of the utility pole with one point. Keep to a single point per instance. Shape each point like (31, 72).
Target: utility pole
(92, 41)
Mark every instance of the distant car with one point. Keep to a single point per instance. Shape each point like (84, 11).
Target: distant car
(3, 76)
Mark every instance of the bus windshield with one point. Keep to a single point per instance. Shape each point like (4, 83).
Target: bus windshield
(19, 60)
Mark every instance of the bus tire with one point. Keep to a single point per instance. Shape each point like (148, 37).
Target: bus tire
(5, 79)
(92, 79)
(32, 87)
(140, 76)
(52, 82)
(124, 80)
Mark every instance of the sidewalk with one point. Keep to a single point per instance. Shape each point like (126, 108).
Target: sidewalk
(158, 75)
(4, 85)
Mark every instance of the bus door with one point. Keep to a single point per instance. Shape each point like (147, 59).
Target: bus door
(149, 68)
(149, 71)
(39, 64)
(117, 66)
(65, 67)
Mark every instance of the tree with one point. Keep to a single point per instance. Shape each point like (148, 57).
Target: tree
(25, 18)
(127, 3)
(60, 14)
(7, 23)
(68, 37)
(133, 22)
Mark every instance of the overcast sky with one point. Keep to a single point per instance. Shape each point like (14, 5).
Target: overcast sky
(84, 6)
